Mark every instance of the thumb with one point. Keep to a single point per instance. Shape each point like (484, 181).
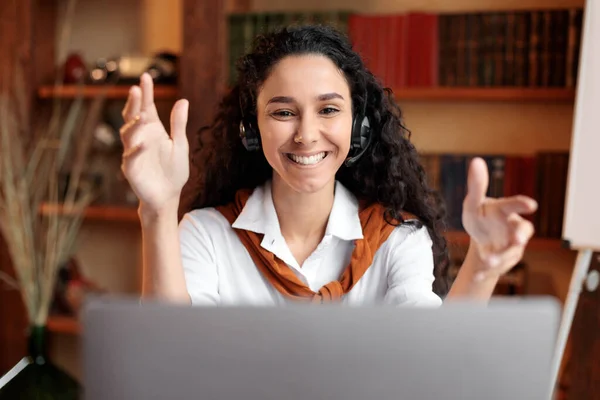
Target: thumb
(477, 183)
(179, 117)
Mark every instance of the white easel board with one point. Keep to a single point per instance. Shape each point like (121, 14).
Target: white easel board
(581, 228)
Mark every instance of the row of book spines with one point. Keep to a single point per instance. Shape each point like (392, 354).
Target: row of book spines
(244, 28)
(530, 48)
(542, 176)
(535, 48)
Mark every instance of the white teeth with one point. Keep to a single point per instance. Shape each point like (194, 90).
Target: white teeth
(308, 160)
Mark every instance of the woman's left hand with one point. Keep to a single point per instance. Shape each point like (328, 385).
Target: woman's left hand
(499, 233)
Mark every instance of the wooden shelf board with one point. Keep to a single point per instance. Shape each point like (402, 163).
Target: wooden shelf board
(63, 324)
(536, 243)
(486, 94)
(161, 92)
(98, 212)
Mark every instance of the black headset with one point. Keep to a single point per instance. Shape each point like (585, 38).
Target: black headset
(360, 139)
(250, 137)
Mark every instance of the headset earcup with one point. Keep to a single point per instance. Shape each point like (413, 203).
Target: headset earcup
(355, 139)
(243, 135)
(250, 138)
(365, 132)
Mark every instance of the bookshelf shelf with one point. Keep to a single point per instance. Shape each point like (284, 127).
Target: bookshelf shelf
(459, 238)
(161, 92)
(63, 324)
(505, 94)
(98, 213)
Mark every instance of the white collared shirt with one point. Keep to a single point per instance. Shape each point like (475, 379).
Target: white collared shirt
(219, 270)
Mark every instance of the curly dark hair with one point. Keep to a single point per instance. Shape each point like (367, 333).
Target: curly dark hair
(389, 172)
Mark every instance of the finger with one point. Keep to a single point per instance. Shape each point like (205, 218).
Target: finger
(133, 105)
(506, 231)
(130, 156)
(179, 117)
(124, 112)
(147, 86)
(516, 204)
(502, 263)
(477, 183)
(128, 131)
(132, 152)
(522, 230)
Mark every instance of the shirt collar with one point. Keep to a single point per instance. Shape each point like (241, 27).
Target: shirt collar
(258, 215)
(344, 221)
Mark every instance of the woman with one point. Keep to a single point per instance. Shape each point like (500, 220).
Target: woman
(310, 190)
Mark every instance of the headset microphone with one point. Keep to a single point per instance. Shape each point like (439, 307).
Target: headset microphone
(352, 160)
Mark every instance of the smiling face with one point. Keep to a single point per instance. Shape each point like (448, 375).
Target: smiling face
(304, 112)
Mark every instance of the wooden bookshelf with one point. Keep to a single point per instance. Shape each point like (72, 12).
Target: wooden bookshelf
(161, 92)
(459, 238)
(98, 212)
(63, 324)
(505, 94)
(129, 214)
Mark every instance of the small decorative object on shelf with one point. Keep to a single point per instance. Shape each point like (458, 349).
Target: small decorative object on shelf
(71, 288)
(36, 376)
(126, 70)
(75, 69)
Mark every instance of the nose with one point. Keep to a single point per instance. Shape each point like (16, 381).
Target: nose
(308, 130)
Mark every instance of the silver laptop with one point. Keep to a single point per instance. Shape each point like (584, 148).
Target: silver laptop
(459, 351)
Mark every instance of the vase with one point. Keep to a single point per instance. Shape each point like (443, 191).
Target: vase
(40, 379)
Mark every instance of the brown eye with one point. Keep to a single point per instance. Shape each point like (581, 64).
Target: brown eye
(283, 114)
(329, 110)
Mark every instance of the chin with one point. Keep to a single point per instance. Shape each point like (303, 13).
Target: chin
(308, 186)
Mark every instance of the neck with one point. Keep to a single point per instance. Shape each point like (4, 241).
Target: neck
(302, 216)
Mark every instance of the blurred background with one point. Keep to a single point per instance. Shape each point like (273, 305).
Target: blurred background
(494, 78)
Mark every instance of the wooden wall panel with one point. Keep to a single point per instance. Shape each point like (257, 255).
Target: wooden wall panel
(203, 64)
(15, 47)
(15, 42)
(202, 75)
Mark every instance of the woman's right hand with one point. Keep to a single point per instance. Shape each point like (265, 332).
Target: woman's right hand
(155, 163)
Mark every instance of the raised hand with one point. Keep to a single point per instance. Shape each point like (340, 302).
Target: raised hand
(496, 227)
(155, 163)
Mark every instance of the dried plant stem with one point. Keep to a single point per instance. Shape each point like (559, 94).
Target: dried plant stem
(30, 175)
(4, 277)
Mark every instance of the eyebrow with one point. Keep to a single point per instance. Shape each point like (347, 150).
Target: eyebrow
(321, 97)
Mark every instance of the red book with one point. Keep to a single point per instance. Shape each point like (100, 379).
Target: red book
(422, 50)
(399, 51)
(356, 33)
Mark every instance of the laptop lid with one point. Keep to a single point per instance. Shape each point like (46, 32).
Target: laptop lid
(459, 351)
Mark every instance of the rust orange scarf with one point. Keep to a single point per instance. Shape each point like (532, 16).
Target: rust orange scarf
(375, 232)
